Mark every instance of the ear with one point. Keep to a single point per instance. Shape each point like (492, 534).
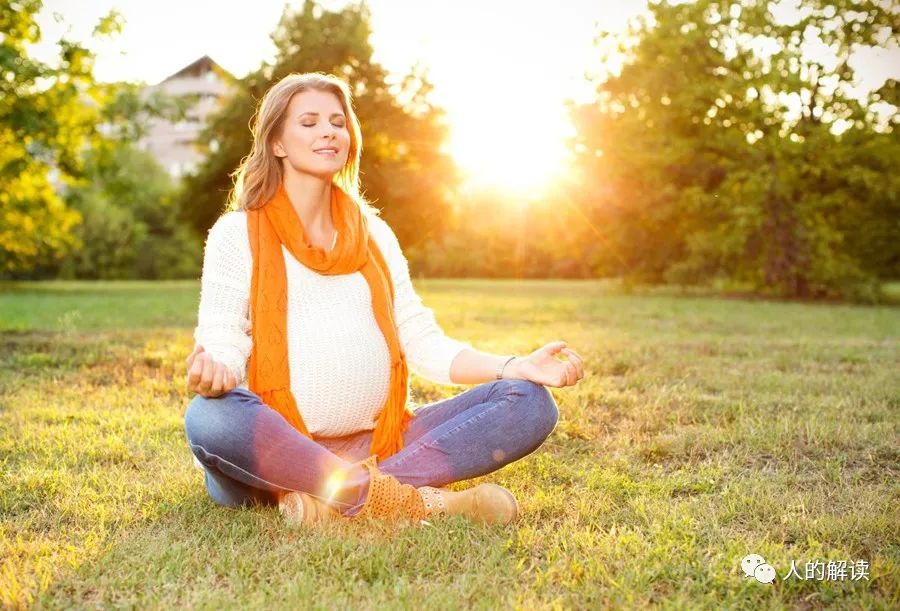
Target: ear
(278, 150)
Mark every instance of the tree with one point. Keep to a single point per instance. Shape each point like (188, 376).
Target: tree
(402, 168)
(58, 126)
(129, 226)
(725, 149)
(44, 123)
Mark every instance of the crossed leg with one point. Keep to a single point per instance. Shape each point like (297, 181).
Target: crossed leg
(251, 454)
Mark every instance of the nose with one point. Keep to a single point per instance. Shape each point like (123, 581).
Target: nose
(328, 138)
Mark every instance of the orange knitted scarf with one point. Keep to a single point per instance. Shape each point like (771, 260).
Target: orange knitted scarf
(277, 223)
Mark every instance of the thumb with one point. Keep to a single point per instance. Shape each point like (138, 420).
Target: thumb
(197, 350)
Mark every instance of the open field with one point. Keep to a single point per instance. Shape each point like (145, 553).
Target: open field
(705, 429)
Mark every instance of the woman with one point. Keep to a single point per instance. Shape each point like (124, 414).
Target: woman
(307, 319)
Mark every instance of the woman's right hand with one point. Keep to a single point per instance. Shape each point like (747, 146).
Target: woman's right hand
(207, 377)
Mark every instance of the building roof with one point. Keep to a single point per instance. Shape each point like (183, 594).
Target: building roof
(200, 67)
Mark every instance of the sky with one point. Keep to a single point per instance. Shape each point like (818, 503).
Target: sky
(528, 53)
(481, 55)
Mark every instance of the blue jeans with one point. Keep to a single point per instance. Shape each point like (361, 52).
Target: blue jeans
(251, 455)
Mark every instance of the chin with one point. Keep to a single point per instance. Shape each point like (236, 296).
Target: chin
(323, 171)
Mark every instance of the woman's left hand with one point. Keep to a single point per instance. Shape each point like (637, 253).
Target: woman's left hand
(542, 366)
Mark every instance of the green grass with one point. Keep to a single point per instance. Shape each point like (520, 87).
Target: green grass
(706, 429)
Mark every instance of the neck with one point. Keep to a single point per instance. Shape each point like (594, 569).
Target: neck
(311, 198)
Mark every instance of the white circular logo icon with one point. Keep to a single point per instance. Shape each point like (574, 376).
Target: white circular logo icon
(749, 564)
(764, 573)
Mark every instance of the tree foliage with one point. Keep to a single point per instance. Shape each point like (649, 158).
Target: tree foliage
(728, 148)
(56, 123)
(402, 169)
(130, 227)
(43, 126)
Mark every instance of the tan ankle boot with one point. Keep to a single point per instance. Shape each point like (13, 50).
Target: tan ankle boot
(302, 509)
(485, 503)
(389, 499)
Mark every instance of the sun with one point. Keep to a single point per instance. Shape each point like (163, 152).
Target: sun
(517, 149)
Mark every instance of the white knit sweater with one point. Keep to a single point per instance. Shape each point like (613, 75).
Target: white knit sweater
(339, 360)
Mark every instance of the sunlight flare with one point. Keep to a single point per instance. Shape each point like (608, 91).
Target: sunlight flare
(333, 484)
(520, 149)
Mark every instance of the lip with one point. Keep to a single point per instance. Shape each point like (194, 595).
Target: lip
(326, 150)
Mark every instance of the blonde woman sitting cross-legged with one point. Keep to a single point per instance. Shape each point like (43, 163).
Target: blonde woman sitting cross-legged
(308, 325)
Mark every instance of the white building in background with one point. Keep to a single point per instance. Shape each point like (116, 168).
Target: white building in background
(173, 144)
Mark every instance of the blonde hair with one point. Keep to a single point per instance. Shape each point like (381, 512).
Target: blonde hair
(260, 172)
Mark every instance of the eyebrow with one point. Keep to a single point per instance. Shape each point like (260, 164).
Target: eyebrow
(335, 114)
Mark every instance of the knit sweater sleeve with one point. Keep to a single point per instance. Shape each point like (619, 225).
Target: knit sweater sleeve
(223, 323)
(429, 351)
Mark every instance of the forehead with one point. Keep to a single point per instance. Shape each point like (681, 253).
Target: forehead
(312, 100)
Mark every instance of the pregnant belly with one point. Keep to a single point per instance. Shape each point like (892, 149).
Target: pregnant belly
(340, 377)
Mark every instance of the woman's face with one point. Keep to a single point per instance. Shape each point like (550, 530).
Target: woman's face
(314, 137)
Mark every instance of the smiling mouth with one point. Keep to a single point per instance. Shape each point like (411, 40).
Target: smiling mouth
(326, 151)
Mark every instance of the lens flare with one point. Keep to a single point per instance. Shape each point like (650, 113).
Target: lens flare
(334, 483)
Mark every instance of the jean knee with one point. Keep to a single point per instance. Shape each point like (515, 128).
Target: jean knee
(193, 419)
(205, 421)
(541, 407)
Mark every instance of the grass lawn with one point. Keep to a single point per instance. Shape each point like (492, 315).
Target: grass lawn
(705, 429)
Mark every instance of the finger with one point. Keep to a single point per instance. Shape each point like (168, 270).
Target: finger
(218, 379)
(575, 358)
(197, 350)
(207, 376)
(230, 381)
(194, 374)
(571, 373)
(554, 347)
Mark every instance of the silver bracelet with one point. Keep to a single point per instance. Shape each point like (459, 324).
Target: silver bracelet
(502, 367)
